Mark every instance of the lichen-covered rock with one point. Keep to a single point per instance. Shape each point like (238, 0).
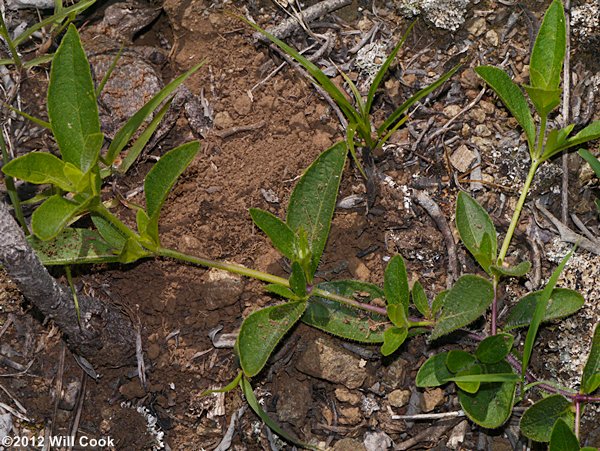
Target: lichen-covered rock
(446, 14)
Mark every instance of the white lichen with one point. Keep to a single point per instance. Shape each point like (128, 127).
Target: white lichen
(446, 14)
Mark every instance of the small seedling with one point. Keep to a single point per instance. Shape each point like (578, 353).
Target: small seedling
(360, 130)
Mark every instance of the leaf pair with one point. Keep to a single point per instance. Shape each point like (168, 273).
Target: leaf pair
(479, 236)
(301, 239)
(485, 380)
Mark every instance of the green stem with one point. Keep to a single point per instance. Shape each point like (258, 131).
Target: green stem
(515, 218)
(230, 267)
(265, 277)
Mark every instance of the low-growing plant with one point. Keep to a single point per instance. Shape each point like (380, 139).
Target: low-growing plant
(361, 131)
(490, 380)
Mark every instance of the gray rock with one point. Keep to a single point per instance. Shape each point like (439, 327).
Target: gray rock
(376, 441)
(325, 360)
(294, 401)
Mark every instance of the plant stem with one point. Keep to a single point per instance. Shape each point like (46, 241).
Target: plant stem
(494, 327)
(230, 267)
(265, 277)
(577, 417)
(515, 218)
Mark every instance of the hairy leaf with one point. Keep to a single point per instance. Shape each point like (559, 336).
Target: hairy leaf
(278, 231)
(298, 280)
(476, 230)
(512, 97)
(74, 246)
(419, 298)
(72, 106)
(494, 348)
(563, 302)
(458, 360)
(262, 330)
(42, 167)
(393, 338)
(544, 100)
(466, 301)
(563, 438)
(313, 200)
(344, 321)
(511, 271)
(492, 405)
(396, 283)
(545, 66)
(108, 232)
(538, 420)
(50, 218)
(434, 371)
(162, 177)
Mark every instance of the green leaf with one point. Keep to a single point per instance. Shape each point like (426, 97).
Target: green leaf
(350, 134)
(278, 231)
(50, 218)
(313, 200)
(142, 220)
(163, 176)
(420, 301)
(108, 232)
(466, 301)
(438, 301)
(344, 321)
(42, 167)
(468, 379)
(262, 330)
(540, 311)
(434, 371)
(400, 111)
(544, 100)
(590, 378)
(138, 146)
(396, 283)
(486, 377)
(512, 97)
(319, 77)
(591, 159)
(132, 251)
(537, 421)
(255, 405)
(555, 140)
(492, 405)
(298, 280)
(545, 65)
(458, 360)
(511, 271)
(476, 230)
(563, 302)
(74, 246)
(282, 291)
(384, 68)
(125, 133)
(72, 106)
(393, 338)
(397, 315)
(589, 133)
(563, 438)
(495, 348)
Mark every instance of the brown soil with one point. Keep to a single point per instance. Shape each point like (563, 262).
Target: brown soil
(177, 305)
